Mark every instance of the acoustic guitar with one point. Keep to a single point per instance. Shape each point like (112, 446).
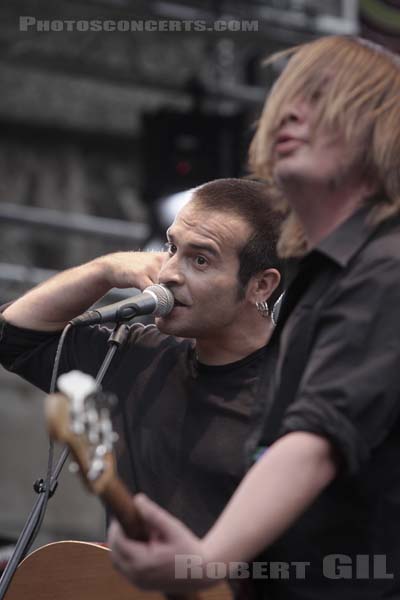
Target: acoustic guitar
(73, 570)
(79, 416)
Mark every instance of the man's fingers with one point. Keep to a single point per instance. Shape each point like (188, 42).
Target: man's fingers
(146, 281)
(123, 548)
(163, 524)
(133, 269)
(151, 564)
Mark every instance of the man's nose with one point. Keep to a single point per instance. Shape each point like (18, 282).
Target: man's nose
(171, 272)
(294, 113)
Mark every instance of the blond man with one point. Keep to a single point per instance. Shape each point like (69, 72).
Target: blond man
(324, 501)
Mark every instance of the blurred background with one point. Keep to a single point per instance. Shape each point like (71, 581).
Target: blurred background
(109, 111)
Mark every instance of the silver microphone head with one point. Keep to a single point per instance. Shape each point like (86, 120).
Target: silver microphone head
(163, 297)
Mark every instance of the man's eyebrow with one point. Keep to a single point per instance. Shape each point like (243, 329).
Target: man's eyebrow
(200, 247)
(204, 248)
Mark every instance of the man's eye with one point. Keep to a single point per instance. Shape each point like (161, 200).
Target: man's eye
(201, 261)
(316, 96)
(170, 247)
(319, 91)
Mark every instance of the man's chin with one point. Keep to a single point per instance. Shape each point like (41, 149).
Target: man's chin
(170, 326)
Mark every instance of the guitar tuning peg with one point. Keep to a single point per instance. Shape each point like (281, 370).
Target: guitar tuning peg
(73, 467)
(96, 469)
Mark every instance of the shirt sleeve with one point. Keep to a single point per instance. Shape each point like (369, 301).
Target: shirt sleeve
(350, 389)
(31, 354)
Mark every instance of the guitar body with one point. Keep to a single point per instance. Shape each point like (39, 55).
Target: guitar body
(73, 570)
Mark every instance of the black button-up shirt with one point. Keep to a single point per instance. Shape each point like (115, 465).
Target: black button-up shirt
(338, 375)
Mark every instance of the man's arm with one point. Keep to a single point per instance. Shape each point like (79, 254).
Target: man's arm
(50, 305)
(275, 492)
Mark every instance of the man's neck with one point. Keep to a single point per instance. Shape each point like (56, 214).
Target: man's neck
(225, 351)
(321, 211)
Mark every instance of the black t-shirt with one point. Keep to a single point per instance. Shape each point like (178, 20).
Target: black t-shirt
(187, 430)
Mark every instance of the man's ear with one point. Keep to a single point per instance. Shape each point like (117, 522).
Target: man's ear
(262, 285)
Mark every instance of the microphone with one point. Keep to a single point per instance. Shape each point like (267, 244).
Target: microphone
(155, 300)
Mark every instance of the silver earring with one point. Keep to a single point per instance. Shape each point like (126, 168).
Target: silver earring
(262, 308)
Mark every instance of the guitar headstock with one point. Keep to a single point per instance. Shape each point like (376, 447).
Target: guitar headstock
(79, 416)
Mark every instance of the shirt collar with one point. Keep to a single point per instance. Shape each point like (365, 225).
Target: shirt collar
(347, 239)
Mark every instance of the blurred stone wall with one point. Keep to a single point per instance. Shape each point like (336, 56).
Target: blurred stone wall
(68, 176)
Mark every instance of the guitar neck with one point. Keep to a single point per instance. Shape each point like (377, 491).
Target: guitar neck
(120, 501)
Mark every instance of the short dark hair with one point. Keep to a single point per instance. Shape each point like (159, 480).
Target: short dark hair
(251, 201)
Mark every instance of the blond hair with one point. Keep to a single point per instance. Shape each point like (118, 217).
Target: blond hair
(360, 85)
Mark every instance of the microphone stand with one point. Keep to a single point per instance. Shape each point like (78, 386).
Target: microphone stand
(31, 528)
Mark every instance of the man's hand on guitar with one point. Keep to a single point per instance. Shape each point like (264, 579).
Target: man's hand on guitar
(151, 564)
